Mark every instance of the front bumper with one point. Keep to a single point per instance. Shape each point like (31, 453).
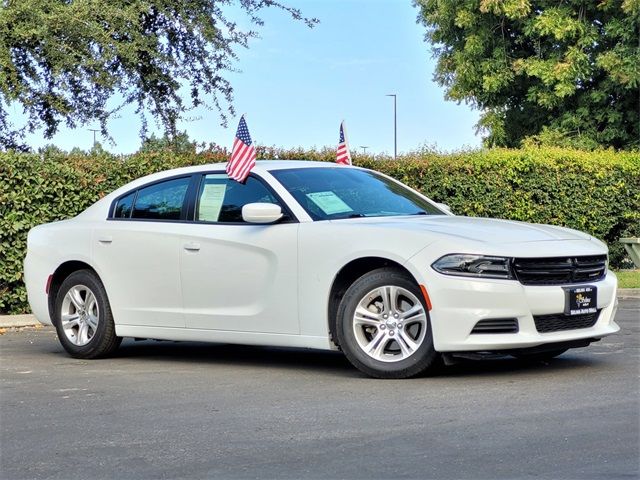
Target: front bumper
(459, 303)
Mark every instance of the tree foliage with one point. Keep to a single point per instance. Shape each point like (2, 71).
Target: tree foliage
(561, 72)
(62, 61)
(177, 143)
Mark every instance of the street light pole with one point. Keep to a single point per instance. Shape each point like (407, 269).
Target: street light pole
(395, 127)
(364, 149)
(94, 130)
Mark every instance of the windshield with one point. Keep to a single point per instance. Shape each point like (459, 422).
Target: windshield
(333, 193)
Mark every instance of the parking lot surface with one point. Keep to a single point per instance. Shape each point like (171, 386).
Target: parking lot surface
(193, 410)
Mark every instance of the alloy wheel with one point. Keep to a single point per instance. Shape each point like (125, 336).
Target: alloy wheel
(390, 323)
(79, 315)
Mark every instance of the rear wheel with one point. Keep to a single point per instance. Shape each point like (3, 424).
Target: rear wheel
(383, 326)
(83, 318)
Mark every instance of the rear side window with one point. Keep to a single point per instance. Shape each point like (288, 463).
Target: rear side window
(161, 201)
(123, 207)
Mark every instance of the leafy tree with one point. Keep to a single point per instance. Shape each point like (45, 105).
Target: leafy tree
(63, 60)
(560, 72)
(176, 143)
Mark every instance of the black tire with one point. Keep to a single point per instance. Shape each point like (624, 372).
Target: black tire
(539, 356)
(416, 363)
(103, 340)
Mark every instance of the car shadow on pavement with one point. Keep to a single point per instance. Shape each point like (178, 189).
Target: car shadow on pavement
(508, 365)
(237, 355)
(332, 362)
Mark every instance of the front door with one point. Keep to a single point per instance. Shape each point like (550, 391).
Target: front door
(238, 276)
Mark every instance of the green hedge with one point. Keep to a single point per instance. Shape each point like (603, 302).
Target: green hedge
(597, 192)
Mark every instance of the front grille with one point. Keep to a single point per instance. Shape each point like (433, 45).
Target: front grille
(560, 270)
(496, 325)
(559, 321)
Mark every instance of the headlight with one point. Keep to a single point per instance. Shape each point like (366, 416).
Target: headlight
(474, 266)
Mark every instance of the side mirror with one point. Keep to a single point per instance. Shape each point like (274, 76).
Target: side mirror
(444, 207)
(261, 213)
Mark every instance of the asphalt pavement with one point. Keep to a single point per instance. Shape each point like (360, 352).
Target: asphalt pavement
(194, 410)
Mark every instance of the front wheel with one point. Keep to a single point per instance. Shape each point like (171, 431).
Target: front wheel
(83, 318)
(383, 326)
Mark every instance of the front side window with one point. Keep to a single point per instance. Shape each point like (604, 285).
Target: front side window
(161, 201)
(334, 193)
(221, 199)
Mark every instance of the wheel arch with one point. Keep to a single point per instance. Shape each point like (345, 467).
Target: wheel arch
(345, 277)
(59, 275)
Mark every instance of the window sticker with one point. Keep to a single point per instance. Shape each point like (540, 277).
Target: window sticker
(211, 202)
(329, 202)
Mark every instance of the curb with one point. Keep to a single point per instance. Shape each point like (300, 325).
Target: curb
(28, 320)
(629, 293)
(16, 321)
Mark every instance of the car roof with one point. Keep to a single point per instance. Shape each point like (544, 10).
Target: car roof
(261, 166)
(284, 164)
(270, 165)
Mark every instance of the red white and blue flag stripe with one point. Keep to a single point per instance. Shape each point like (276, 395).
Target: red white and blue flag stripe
(243, 154)
(343, 156)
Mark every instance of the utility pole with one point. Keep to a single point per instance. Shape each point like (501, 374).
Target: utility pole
(364, 149)
(94, 130)
(395, 127)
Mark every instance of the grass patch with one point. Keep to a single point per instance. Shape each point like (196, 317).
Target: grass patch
(628, 278)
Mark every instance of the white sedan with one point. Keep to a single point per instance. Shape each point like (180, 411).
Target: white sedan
(316, 255)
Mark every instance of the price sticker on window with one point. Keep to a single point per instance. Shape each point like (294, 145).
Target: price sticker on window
(329, 202)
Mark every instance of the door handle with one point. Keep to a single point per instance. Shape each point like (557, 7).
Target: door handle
(105, 239)
(192, 246)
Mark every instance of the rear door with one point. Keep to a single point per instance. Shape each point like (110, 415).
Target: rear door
(238, 276)
(137, 252)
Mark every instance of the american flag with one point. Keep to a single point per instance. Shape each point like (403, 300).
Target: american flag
(243, 155)
(343, 156)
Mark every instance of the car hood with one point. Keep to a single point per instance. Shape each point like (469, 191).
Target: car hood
(486, 230)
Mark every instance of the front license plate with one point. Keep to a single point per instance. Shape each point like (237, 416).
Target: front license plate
(580, 300)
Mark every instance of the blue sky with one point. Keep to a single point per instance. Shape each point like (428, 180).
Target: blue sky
(296, 84)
